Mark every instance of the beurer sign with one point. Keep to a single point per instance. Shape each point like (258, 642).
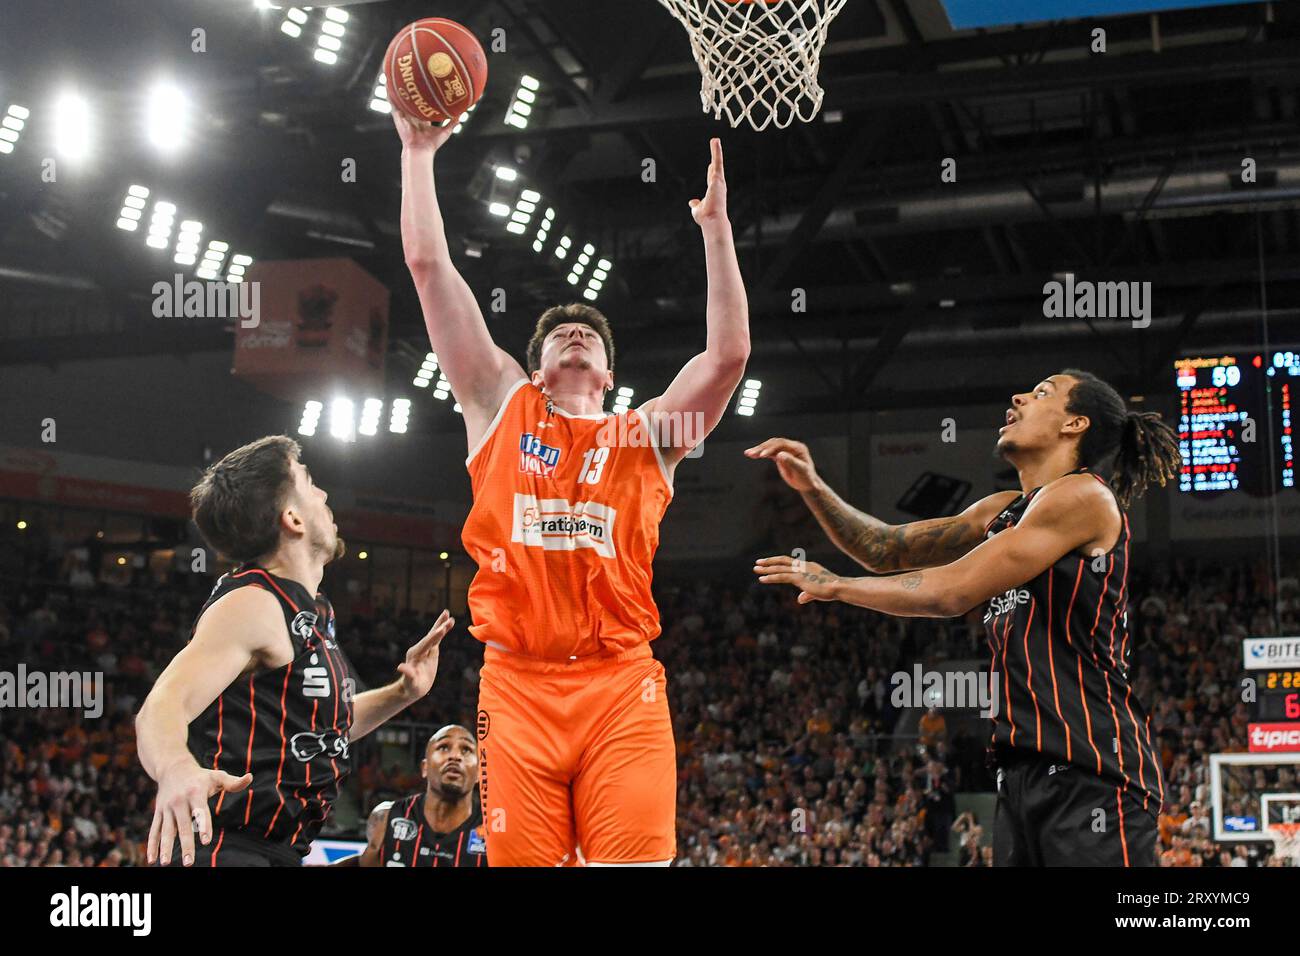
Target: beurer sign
(1266, 653)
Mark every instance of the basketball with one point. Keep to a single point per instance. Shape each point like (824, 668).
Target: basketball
(435, 70)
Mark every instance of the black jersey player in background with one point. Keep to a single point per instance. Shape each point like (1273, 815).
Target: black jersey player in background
(1079, 781)
(441, 825)
(247, 731)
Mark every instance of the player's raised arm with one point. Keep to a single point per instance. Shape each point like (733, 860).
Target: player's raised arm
(479, 371)
(1063, 518)
(376, 825)
(875, 544)
(236, 632)
(705, 384)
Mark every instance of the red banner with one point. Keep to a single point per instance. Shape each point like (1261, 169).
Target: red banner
(1274, 738)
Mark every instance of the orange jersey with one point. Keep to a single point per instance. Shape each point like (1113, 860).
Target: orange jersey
(564, 528)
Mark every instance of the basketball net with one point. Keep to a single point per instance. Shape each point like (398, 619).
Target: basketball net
(759, 59)
(1286, 841)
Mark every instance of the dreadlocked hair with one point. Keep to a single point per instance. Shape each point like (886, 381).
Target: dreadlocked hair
(1144, 448)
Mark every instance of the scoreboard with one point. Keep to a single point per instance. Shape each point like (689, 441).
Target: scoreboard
(1235, 422)
(1277, 695)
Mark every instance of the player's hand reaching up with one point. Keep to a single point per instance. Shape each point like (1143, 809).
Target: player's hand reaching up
(420, 135)
(792, 459)
(421, 664)
(713, 207)
(182, 807)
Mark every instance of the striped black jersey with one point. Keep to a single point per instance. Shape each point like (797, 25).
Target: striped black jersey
(410, 841)
(1060, 649)
(287, 726)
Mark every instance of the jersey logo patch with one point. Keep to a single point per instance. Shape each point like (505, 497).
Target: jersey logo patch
(554, 524)
(536, 458)
(403, 829)
(307, 745)
(315, 679)
(1002, 604)
(303, 624)
(476, 841)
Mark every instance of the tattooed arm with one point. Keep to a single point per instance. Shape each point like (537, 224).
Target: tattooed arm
(1066, 516)
(875, 545)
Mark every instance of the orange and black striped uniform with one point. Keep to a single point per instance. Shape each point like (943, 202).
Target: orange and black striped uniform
(1060, 649)
(287, 726)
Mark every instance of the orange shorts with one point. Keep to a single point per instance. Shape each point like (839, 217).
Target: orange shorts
(576, 760)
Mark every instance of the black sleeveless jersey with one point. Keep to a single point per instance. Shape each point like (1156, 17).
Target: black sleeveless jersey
(409, 840)
(1060, 647)
(288, 726)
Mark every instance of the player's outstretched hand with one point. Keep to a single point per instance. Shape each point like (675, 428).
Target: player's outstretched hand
(814, 582)
(421, 664)
(792, 460)
(182, 807)
(417, 135)
(713, 207)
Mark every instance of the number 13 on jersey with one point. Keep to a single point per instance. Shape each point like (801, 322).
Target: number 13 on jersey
(593, 463)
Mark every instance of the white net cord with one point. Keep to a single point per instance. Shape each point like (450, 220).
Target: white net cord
(759, 59)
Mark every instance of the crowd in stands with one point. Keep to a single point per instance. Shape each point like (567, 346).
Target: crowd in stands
(790, 750)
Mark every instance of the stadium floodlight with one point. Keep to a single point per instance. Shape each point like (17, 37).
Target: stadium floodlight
(239, 263)
(72, 127)
(425, 374)
(330, 39)
(622, 399)
(291, 29)
(507, 174)
(517, 228)
(167, 117)
(133, 203)
(296, 15)
(531, 195)
(379, 96)
(160, 225)
(521, 104)
(499, 209)
(310, 418)
(187, 242)
(335, 14)
(598, 275)
(748, 400)
(457, 409)
(442, 388)
(213, 258)
(11, 126)
(343, 424)
(464, 118)
(371, 409)
(399, 416)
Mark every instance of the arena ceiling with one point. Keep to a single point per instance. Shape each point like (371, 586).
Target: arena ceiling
(1118, 166)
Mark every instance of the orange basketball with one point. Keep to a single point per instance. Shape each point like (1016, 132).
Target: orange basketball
(435, 70)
